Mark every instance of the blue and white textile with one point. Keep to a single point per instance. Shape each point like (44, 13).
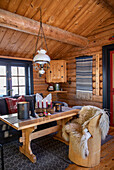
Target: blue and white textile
(84, 77)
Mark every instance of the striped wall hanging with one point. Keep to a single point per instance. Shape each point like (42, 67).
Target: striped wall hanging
(84, 77)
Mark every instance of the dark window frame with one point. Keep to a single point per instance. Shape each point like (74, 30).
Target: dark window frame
(28, 73)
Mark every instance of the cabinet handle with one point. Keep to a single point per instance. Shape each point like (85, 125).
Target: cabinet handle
(61, 76)
(61, 65)
(50, 71)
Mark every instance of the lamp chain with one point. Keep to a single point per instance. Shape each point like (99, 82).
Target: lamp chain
(42, 35)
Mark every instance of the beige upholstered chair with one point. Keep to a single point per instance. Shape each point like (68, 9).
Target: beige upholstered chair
(94, 146)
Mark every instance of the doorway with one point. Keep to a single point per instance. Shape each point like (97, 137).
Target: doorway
(108, 93)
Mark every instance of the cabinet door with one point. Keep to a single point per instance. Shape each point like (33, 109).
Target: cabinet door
(57, 71)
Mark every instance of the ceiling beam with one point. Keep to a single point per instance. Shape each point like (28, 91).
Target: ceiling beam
(30, 26)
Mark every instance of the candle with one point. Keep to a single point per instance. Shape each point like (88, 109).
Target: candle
(51, 104)
(38, 103)
(46, 104)
(42, 103)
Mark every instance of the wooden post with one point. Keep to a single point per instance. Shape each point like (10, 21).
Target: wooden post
(97, 74)
(23, 24)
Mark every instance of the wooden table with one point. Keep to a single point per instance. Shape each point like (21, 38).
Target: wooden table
(29, 125)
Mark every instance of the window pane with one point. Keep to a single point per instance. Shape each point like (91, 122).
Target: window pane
(21, 90)
(2, 82)
(14, 81)
(3, 70)
(21, 80)
(3, 91)
(15, 90)
(2, 85)
(21, 71)
(14, 71)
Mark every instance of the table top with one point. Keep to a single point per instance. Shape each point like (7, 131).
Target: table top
(13, 121)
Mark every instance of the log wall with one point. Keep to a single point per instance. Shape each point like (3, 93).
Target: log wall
(97, 39)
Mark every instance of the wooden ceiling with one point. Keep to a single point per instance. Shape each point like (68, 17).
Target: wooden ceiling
(81, 17)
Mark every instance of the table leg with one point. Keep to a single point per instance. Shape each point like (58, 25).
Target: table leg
(61, 122)
(26, 148)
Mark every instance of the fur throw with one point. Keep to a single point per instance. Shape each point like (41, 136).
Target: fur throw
(77, 128)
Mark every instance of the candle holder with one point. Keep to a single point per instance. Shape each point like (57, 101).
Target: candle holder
(23, 110)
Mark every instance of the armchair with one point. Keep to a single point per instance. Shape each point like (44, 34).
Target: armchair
(94, 146)
(84, 135)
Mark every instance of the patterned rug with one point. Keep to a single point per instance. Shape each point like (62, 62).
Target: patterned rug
(51, 155)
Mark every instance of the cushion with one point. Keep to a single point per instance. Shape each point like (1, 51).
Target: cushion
(3, 107)
(12, 104)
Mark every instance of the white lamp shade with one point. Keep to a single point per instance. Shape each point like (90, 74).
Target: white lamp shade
(41, 57)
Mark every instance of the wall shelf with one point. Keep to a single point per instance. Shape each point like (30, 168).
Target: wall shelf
(58, 92)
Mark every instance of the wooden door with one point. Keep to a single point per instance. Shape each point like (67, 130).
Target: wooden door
(112, 88)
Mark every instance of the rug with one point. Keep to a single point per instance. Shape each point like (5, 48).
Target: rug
(51, 155)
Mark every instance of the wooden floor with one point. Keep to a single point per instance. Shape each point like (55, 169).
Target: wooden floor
(107, 157)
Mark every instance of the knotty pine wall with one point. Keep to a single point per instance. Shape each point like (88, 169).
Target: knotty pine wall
(40, 85)
(97, 39)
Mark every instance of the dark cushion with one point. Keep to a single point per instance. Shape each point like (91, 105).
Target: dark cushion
(3, 107)
(31, 100)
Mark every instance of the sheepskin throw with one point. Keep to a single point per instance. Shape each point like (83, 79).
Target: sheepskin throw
(84, 77)
(77, 128)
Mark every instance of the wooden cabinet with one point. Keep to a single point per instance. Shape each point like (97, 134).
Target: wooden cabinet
(57, 72)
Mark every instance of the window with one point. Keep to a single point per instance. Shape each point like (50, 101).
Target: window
(16, 77)
(84, 77)
(2, 80)
(18, 80)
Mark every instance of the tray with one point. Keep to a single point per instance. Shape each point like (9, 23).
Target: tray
(42, 110)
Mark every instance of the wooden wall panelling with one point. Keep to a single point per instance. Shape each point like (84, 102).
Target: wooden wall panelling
(33, 9)
(2, 33)
(20, 40)
(4, 4)
(30, 49)
(21, 50)
(97, 74)
(95, 21)
(82, 6)
(57, 13)
(52, 7)
(6, 39)
(9, 47)
(63, 17)
(23, 6)
(62, 51)
(13, 5)
(82, 20)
